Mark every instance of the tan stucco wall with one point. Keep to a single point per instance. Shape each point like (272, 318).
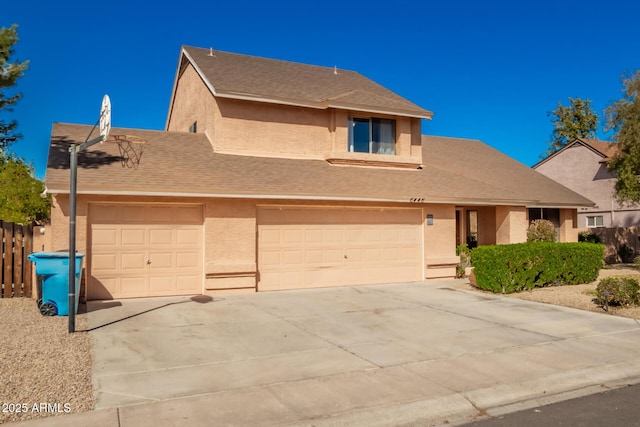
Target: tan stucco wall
(440, 241)
(230, 233)
(42, 237)
(271, 129)
(568, 231)
(511, 224)
(486, 225)
(230, 244)
(58, 231)
(60, 223)
(259, 128)
(192, 102)
(230, 226)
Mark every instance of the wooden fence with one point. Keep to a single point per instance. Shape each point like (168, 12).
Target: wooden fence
(621, 244)
(16, 272)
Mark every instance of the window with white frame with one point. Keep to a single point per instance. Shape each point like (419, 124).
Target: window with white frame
(372, 135)
(595, 221)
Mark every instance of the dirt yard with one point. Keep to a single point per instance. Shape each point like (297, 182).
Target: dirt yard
(578, 296)
(44, 370)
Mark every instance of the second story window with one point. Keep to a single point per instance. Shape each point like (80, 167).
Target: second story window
(372, 135)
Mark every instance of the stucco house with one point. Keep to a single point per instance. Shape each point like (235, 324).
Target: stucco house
(277, 175)
(582, 167)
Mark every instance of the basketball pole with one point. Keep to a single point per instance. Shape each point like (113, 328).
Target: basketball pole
(105, 115)
(73, 161)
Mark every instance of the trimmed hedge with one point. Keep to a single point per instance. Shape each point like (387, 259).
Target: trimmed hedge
(516, 267)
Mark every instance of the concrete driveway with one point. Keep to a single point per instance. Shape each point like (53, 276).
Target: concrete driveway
(398, 354)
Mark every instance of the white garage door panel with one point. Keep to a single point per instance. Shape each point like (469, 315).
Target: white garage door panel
(146, 250)
(314, 247)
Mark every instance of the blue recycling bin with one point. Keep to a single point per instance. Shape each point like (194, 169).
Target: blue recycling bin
(53, 267)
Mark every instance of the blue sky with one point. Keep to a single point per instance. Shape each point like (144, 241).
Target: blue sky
(489, 70)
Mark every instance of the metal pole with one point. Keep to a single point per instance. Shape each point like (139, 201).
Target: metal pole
(73, 165)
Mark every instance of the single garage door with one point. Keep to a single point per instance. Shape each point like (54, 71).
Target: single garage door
(145, 250)
(318, 247)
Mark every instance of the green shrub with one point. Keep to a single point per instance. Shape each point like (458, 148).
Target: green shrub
(541, 230)
(621, 291)
(513, 268)
(464, 253)
(636, 262)
(587, 237)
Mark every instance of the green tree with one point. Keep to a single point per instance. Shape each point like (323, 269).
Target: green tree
(623, 119)
(10, 72)
(576, 120)
(21, 193)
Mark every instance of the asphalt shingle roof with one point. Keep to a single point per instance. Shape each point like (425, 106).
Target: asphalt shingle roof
(236, 75)
(483, 164)
(180, 163)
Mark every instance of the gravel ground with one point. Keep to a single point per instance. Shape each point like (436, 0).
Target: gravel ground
(44, 370)
(577, 296)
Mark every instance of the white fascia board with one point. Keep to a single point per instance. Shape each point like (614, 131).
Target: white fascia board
(538, 206)
(366, 109)
(226, 196)
(409, 200)
(200, 73)
(175, 85)
(318, 105)
(271, 100)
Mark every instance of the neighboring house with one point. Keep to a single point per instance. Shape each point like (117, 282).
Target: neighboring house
(582, 167)
(276, 175)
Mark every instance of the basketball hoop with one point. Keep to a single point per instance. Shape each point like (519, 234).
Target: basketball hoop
(131, 149)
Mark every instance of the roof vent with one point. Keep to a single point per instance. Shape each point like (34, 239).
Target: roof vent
(211, 52)
(335, 69)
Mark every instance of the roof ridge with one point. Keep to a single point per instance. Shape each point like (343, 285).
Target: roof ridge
(250, 77)
(266, 58)
(451, 137)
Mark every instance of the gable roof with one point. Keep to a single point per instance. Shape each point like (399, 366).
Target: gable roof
(232, 75)
(184, 164)
(478, 161)
(604, 149)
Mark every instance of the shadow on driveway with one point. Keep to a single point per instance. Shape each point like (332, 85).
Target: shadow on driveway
(93, 306)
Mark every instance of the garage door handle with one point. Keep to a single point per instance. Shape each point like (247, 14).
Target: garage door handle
(148, 261)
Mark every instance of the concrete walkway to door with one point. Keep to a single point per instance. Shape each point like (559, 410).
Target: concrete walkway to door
(397, 354)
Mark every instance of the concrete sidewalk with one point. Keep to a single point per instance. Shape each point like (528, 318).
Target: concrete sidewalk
(399, 354)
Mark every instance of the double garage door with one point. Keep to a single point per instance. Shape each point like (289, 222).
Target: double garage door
(316, 247)
(145, 250)
(157, 250)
